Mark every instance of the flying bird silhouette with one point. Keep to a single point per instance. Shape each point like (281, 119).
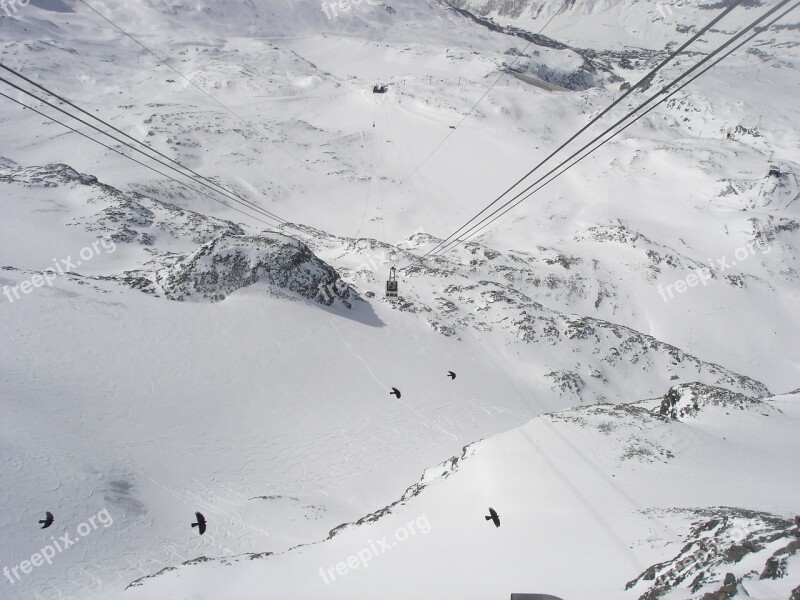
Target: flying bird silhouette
(451, 375)
(493, 517)
(201, 523)
(395, 392)
(48, 520)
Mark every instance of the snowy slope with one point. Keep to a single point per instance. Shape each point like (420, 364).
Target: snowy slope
(588, 500)
(186, 357)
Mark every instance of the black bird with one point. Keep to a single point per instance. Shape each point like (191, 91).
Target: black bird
(493, 517)
(201, 523)
(451, 375)
(395, 392)
(48, 520)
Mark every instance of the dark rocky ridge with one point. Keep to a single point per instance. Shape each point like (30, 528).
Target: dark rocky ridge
(231, 262)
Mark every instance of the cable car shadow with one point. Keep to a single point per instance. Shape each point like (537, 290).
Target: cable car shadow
(361, 312)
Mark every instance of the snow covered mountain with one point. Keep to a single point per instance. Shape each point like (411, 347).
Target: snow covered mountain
(590, 494)
(624, 342)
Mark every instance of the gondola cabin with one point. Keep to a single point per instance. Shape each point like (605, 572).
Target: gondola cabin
(391, 285)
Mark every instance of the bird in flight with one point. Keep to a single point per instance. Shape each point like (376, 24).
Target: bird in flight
(48, 520)
(395, 392)
(201, 523)
(493, 517)
(451, 375)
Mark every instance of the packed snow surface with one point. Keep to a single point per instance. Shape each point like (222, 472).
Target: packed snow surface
(624, 341)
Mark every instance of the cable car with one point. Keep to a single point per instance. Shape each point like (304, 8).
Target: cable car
(391, 285)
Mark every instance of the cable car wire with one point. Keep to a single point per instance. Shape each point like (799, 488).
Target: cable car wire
(228, 195)
(481, 99)
(269, 226)
(488, 219)
(615, 134)
(221, 189)
(640, 84)
(381, 168)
